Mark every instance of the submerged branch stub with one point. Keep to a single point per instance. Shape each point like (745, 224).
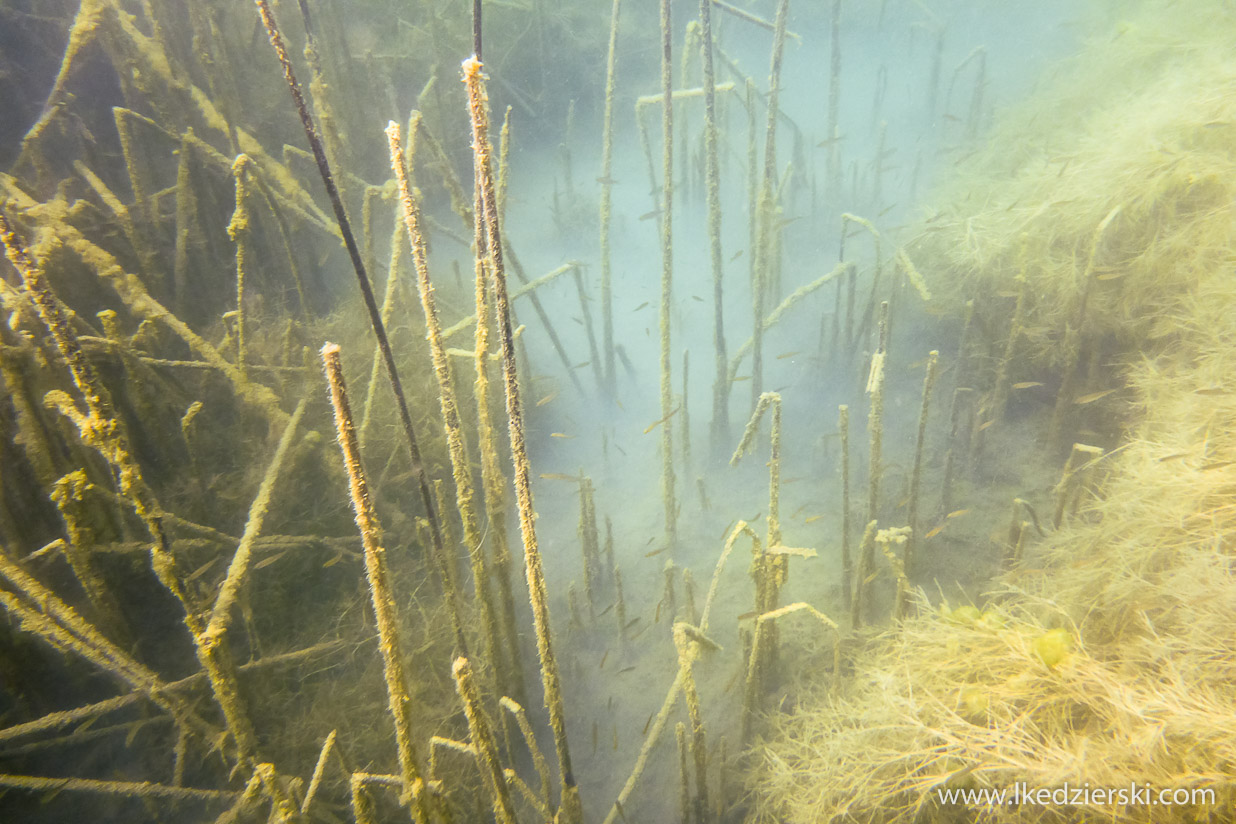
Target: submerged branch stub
(570, 809)
(381, 596)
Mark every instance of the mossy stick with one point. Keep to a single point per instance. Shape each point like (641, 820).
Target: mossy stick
(620, 605)
(212, 647)
(720, 427)
(465, 494)
(875, 419)
(742, 14)
(766, 208)
(187, 225)
(594, 356)
(1000, 392)
(238, 230)
(847, 564)
(538, 758)
(381, 596)
(607, 182)
(774, 317)
(929, 381)
(862, 577)
(1081, 457)
(887, 539)
(124, 789)
(687, 641)
(833, 136)
(950, 454)
(684, 774)
(668, 597)
(493, 481)
(667, 274)
(686, 417)
(483, 739)
(570, 809)
(1075, 334)
(319, 769)
(751, 692)
(587, 539)
(688, 595)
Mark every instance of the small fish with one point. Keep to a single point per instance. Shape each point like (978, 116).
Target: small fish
(650, 215)
(957, 513)
(605, 611)
(558, 476)
(799, 552)
(697, 297)
(736, 256)
(578, 320)
(1027, 384)
(986, 424)
(747, 616)
(650, 540)
(561, 435)
(616, 732)
(269, 561)
(887, 209)
(1110, 275)
(594, 737)
(604, 658)
(655, 424)
(1007, 293)
(338, 557)
(201, 570)
(625, 670)
(813, 519)
(1093, 396)
(740, 378)
(1210, 390)
(606, 181)
(630, 624)
(785, 355)
(654, 553)
(656, 618)
(616, 446)
(1217, 465)
(641, 306)
(952, 117)
(547, 399)
(934, 532)
(647, 724)
(582, 364)
(1173, 457)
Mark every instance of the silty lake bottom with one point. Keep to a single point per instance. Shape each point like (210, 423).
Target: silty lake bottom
(848, 425)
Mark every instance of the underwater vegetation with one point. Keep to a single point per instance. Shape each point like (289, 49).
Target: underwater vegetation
(353, 468)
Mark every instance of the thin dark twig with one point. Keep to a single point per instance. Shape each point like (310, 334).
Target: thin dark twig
(476, 29)
(362, 279)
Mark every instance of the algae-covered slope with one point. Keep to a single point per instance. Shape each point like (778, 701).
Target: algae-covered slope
(1094, 237)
